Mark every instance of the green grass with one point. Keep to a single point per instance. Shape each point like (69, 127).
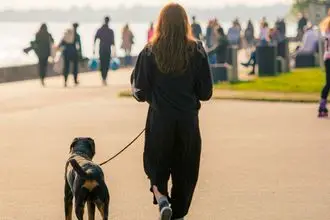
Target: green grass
(302, 85)
(309, 80)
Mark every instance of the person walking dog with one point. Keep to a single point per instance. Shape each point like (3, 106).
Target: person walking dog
(172, 75)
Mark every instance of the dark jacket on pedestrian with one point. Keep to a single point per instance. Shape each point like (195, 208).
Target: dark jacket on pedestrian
(42, 44)
(174, 93)
(106, 37)
(71, 44)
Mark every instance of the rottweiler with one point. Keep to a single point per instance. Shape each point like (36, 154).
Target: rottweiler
(84, 181)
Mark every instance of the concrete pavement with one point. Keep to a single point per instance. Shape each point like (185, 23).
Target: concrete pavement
(260, 161)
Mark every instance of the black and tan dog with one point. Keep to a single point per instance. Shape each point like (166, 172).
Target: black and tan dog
(84, 181)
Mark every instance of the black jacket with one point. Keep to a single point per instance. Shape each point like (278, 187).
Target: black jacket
(173, 93)
(42, 44)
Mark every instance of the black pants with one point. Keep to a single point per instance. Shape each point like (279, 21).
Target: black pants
(173, 148)
(325, 91)
(253, 60)
(68, 60)
(43, 65)
(105, 57)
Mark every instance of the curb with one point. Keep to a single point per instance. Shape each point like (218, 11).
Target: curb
(251, 97)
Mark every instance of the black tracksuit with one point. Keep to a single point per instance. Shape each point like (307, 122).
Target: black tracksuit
(172, 138)
(42, 46)
(107, 39)
(72, 55)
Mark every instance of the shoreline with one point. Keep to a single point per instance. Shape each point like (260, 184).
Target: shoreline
(30, 71)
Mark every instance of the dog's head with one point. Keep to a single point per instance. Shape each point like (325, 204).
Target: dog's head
(84, 145)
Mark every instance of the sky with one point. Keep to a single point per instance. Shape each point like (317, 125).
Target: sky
(63, 4)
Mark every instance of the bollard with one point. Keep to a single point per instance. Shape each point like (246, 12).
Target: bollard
(280, 62)
(219, 72)
(287, 66)
(266, 60)
(233, 69)
(283, 51)
(306, 60)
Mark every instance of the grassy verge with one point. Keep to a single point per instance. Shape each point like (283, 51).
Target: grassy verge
(302, 85)
(266, 96)
(309, 80)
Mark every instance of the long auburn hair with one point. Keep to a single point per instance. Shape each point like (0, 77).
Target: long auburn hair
(173, 42)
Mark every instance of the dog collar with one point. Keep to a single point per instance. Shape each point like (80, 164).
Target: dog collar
(82, 155)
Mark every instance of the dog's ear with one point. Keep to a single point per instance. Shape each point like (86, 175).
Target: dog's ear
(92, 145)
(73, 144)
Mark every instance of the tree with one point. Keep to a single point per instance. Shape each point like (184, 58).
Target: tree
(302, 5)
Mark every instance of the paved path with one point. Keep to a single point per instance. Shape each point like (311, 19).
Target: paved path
(260, 161)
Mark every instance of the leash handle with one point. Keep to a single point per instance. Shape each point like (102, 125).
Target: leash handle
(127, 146)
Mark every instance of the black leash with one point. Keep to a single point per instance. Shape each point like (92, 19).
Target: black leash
(127, 146)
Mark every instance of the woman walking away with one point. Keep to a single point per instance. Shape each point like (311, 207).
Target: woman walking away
(43, 46)
(70, 54)
(323, 111)
(172, 75)
(128, 41)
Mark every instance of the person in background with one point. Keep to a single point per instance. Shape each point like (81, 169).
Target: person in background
(43, 45)
(208, 36)
(275, 36)
(249, 35)
(281, 27)
(212, 38)
(234, 34)
(106, 38)
(150, 32)
(264, 33)
(196, 29)
(71, 46)
(324, 23)
(252, 62)
(264, 20)
(172, 75)
(301, 25)
(309, 42)
(238, 24)
(221, 48)
(77, 40)
(277, 23)
(280, 36)
(214, 35)
(323, 110)
(127, 42)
